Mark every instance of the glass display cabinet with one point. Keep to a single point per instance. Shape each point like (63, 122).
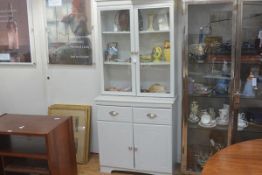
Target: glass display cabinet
(248, 109)
(221, 78)
(208, 80)
(137, 50)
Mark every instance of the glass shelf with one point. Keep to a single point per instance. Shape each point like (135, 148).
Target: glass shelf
(217, 127)
(208, 96)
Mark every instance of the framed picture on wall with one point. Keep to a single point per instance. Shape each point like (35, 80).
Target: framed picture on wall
(16, 40)
(81, 115)
(69, 31)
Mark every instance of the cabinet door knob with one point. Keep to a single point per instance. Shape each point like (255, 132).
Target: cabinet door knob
(151, 115)
(135, 149)
(130, 148)
(113, 113)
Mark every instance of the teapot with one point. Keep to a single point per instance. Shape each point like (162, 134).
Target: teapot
(205, 118)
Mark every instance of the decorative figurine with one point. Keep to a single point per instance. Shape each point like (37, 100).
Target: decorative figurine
(193, 117)
(111, 53)
(222, 87)
(225, 68)
(249, 86)
(157, 54)
(167, 50)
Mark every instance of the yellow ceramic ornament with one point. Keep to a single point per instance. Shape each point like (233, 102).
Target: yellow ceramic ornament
(167, 51)
(157, 54)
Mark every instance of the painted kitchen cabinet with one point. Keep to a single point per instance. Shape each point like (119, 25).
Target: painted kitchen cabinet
(136, 135)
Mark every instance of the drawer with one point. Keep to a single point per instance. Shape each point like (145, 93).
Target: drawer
(153, 116)
(114, 113)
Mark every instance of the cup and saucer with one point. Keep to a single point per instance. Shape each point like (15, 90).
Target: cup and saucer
(193, 118)
(211, 124)
(206, 121)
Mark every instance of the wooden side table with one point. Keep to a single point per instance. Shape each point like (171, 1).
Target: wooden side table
(37, 145)
(243, 158)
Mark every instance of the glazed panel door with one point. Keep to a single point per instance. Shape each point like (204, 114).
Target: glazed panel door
(248, 115)
(154, 47)
(116, 33)
(208, 64)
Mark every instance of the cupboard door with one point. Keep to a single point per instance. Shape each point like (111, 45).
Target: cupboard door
(155, 47)
(249, 113)
(208, 64)
(153, 147)
(115, 144)
(117, 45)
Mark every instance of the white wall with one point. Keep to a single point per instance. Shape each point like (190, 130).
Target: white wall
(25, 88)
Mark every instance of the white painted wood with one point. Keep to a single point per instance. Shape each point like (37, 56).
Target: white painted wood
(135, 101)
(114, 113)
(133, 7)
(153, 116)
(153, 146)
(115, 139)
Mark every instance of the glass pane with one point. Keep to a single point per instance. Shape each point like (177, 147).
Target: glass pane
(250, 112)
(154, 50)
(14, 32)
(209, 66)
(69, 27)
(116, 45)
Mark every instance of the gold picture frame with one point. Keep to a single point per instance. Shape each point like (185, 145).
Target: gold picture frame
(81, 115)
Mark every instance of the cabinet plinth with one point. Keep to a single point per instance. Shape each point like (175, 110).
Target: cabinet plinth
(32, 144)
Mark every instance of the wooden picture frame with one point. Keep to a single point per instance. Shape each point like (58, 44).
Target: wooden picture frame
(81, 115)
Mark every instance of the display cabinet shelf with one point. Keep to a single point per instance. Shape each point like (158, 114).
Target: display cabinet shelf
(210, 76)
(117, 63)
(217, 127)
(253, 128)
(208, 96)
(247, 59)
(115, 33)
(154, 32)
(155, 64)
